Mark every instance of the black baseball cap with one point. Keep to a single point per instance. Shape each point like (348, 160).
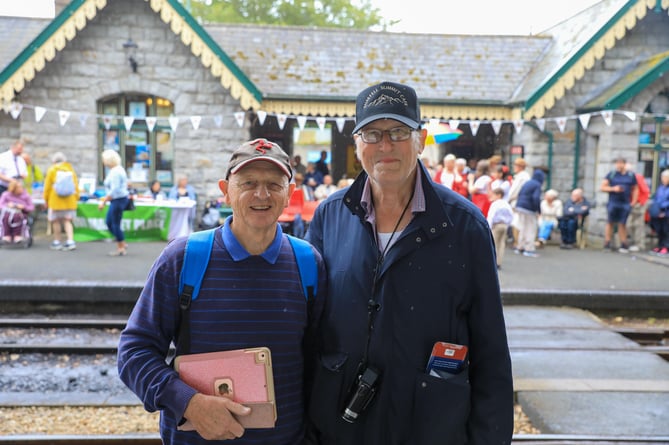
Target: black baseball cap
(387, 100)
(259, 150)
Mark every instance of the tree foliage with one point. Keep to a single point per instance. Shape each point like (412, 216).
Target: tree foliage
(322, 13)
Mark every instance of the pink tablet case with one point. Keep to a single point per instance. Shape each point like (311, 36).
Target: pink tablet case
(244, 375)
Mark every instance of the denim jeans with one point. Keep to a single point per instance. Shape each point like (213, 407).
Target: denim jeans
(114, 217)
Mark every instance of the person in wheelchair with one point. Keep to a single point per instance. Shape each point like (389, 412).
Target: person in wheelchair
(15, 208)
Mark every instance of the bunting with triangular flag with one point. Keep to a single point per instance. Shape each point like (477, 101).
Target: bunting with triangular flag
(63, 116)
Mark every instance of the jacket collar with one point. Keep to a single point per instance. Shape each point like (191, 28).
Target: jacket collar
(433, 222)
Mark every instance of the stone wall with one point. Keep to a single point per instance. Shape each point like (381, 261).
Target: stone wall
(93, 65)
(599, 144)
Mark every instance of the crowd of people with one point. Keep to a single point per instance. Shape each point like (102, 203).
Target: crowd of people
(357, 355)
(532, 217)
(314, 181)
(22, 182)
(537, 216)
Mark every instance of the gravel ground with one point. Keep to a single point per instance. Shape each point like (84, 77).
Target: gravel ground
(119, 420)
(60, 373)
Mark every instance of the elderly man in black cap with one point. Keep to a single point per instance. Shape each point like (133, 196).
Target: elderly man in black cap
(413, 341)
(251, 295)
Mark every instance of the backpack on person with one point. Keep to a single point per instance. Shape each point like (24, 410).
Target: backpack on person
(64, 184)
(196, 258)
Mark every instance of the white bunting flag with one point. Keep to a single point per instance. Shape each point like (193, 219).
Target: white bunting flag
(496, 126)
(608, 117)
(82, 120)
(631, 115)
(262, 115)
(561, 123)
(301, 122)
(218, 120)
(585, 120)
(239, 117)
(541, 123)
(474, 126)
(15, 109)
(39, 113)
(518, 125)
(64, 115)
(127, 122)
(174, 122)
(321, 122)
(454, 124)
(195, 121)
(341, 121)
(281, 119)
(433, 123)
(107, 121)
(151, 122)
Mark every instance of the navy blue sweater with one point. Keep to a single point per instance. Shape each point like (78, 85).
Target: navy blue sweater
(245, 301)
(529, 196)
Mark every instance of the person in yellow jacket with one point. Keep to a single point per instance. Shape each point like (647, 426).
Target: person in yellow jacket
(61, 194)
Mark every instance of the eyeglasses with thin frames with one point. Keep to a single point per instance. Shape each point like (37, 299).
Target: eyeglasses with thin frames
(374, 136)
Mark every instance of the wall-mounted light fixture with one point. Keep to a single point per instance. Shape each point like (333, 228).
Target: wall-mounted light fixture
(130, 49)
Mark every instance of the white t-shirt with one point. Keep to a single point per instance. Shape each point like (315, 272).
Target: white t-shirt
(12, 166)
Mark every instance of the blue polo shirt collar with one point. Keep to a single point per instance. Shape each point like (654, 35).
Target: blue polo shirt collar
(239, 253)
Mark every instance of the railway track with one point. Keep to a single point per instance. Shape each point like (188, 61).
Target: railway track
(154, 439)
(654, 340)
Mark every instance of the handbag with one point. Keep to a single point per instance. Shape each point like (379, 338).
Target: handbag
(130, 206)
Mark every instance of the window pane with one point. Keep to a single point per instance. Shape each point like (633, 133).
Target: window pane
(146, 155)
(110, 140)
(137, 156)
(664, 135)
(164, 157)
(164, 107)
(647, 133)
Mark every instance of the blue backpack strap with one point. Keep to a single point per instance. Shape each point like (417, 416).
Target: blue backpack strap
(306, 264)
(196, 259)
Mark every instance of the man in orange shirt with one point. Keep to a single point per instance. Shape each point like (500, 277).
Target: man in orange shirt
(636, 224)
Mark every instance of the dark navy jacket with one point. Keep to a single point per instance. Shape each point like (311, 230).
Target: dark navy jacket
(529, 196)
(437, 283)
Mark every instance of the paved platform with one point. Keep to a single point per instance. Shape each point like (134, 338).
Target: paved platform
(568, 383)
(588, 278)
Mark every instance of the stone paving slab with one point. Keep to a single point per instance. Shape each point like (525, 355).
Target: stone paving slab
(572, 388)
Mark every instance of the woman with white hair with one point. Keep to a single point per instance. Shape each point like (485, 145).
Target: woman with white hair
(61, 195)
(659, 215)
(116, 187)
(551, 210)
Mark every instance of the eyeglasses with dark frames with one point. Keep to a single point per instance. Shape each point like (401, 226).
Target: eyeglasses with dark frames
(374, 136)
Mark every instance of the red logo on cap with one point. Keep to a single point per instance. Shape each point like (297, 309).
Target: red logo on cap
(261, 145)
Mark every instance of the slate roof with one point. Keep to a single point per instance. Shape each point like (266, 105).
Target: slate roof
(17, 33)
(628, 83)
(568, 39)
(335, 64)
(332, 65)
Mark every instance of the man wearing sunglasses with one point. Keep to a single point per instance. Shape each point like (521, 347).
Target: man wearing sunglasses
(411, 267)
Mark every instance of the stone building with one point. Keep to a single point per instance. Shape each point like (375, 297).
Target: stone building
(175, 97)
